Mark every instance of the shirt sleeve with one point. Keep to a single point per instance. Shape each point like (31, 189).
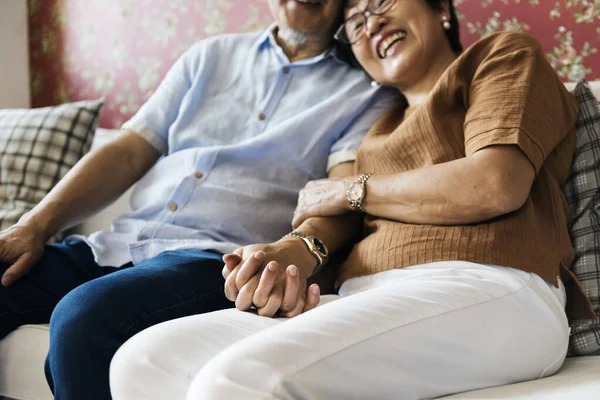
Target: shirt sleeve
(516, 98)
(155, 117)
(346, 147)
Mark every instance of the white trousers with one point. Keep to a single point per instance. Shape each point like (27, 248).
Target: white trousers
(412, 333)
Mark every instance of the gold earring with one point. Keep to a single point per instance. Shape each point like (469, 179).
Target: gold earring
(446, 23)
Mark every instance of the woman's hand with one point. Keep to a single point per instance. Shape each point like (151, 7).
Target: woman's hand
(296, 299)
(270, 277)
(323, 198)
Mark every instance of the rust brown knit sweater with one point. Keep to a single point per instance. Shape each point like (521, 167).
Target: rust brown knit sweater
(501, 91)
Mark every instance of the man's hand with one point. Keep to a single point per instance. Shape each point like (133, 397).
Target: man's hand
(22, 246)
(322, 198)
(270, 277)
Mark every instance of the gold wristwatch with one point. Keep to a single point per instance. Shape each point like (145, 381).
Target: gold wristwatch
(357, 191)
(316, 247)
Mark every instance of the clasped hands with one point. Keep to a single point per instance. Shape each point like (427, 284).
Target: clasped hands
(273, 277)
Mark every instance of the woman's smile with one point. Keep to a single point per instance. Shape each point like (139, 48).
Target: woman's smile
(389, 42)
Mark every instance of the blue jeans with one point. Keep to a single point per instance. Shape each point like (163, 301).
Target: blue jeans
(93, 310)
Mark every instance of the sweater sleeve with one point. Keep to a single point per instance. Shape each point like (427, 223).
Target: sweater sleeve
(516, 98)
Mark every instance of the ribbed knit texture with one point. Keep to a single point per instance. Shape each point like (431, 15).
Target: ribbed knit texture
(501, 91)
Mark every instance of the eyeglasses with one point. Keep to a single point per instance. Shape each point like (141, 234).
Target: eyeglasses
(353, 30)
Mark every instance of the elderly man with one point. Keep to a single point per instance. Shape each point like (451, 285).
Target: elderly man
(242, 122)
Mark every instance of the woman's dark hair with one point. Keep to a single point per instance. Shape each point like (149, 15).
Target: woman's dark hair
(453, 34)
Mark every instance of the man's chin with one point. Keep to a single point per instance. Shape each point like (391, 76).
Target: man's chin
(303, 34)
(293, 34)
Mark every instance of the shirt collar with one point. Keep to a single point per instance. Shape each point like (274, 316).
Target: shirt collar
(267, 40)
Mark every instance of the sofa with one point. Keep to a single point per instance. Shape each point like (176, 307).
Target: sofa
(22, 353)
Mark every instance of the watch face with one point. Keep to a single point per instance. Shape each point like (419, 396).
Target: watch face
(355, 192)
(320, 246)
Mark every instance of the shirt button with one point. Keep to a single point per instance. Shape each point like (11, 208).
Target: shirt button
(173, 206)
(286, 70)
(198, 174)
(262, 116)
(143, 237)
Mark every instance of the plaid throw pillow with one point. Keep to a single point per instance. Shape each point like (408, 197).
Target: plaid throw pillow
(582, 192)
(37, 148)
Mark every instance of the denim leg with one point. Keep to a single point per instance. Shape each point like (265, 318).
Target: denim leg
(94, 320)
(31, 300)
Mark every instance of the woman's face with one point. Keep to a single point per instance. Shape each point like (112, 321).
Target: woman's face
(314, 18)
(399, 47)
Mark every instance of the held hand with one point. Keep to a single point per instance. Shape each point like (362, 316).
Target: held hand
(231, 260)
(322, 198)
(22, 246)
(278, 292)
(249, 257)
(256, 261)
(288, 296)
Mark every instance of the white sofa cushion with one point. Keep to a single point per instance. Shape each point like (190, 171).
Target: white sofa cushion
(25, 349)
(22, 355)
(579, 379)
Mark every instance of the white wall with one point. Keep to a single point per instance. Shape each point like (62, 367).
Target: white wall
(14, 55)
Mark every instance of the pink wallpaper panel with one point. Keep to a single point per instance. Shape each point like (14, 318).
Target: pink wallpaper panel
(121, 49)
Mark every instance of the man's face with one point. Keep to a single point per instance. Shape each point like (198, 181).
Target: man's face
(307, 17)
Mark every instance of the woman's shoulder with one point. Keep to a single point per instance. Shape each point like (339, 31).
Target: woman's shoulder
(503, 50)
(505, 42)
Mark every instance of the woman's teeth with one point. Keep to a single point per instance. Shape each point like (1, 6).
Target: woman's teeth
(389, 41)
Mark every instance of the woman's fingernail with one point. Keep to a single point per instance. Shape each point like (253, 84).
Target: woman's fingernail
(6, 280)
(315, 290)
(293, 270)
(272, 267)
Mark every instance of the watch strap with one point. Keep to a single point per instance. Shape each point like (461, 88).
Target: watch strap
(308, 241)
(357, 205)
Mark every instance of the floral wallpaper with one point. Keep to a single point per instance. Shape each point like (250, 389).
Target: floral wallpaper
(121, 49)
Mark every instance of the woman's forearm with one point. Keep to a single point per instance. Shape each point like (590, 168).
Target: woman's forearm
(335, 232)
(464, 191)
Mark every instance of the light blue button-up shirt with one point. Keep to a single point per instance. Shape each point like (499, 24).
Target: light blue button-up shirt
(242, 129)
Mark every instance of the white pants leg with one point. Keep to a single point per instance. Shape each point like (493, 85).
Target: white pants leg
(161, 362)
(413, 333)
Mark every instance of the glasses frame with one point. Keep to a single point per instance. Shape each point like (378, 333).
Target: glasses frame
(366, 13)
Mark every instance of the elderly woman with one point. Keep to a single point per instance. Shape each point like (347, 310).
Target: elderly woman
(455, 283)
